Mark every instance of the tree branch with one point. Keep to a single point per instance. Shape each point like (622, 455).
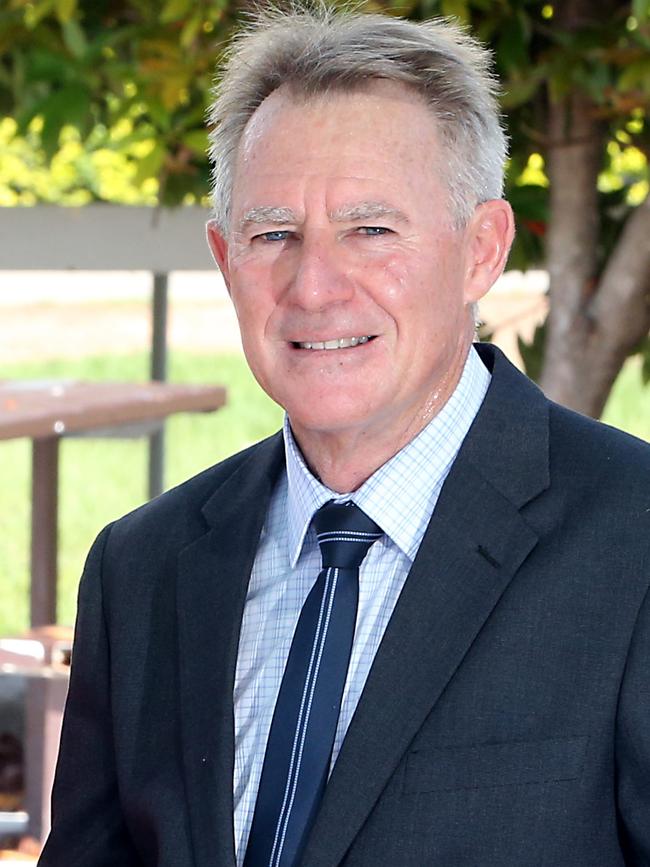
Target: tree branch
(620, 308)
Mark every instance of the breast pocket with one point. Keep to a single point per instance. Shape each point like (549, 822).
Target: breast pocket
(490, 765)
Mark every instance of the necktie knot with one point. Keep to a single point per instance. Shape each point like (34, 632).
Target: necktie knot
(345, 534)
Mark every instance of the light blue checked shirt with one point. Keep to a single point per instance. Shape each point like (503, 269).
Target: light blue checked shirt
(400, 496)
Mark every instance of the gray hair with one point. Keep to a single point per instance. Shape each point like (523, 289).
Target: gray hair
(319, 50)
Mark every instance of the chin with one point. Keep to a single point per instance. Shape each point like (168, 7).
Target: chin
(328, 417)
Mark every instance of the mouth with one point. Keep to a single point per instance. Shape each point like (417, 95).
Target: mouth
(336, 343)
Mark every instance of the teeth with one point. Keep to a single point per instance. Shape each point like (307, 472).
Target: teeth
(341, 343)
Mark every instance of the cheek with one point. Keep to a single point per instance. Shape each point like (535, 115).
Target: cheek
(251, 316)
(398, 280)
(409, 291)
(250, 292)
(423, 298)
(391, 278)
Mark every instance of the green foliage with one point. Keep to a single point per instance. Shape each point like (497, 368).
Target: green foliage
(107, 98)
(107, 165)
(93, 69)
(83, 69)
(643, 351)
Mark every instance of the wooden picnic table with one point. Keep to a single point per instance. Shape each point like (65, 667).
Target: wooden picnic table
(45, 411)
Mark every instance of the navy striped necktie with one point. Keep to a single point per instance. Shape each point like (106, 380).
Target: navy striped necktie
(299, 748)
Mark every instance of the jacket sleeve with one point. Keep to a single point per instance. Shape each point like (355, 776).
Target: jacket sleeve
(88, 828)
(633, 746)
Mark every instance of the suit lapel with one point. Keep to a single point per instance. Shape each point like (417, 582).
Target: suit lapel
(213, 574)
(473, 547)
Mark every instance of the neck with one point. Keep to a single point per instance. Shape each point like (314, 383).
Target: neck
(344, 460)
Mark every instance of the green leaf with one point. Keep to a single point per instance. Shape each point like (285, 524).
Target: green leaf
(512, 50)
(635, 75)
(36, 12)
(48, 67)
(530, 202)
(559, 84)
(150, 166)
(645, 368)
(71, 105)
(518, 91)
(430, 8)
(643, 350)
(595, 79)
(641, 10)
(178, 185)
(74, 38)
(173, 10)
(158, 114)
(191, 30)
(456, 9)
(197, 141)
(65, 10)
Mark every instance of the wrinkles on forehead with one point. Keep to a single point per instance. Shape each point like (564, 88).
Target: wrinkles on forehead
(354, 212)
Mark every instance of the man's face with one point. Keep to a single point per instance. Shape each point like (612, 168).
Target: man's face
(341, 233)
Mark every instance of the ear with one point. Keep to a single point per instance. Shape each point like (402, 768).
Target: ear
(488, 240)
(219, 247)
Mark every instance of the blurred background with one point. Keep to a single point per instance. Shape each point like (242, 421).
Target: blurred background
(104, 277)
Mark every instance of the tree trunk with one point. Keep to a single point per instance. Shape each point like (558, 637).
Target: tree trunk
(594, 320)
(571, 248)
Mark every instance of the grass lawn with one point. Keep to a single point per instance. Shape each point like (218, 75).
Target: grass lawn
(104, 478)
(101, 479)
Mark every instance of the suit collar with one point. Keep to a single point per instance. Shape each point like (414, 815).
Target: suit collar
(253, 476)
(508, 444)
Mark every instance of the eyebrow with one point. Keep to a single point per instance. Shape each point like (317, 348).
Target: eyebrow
(267, 214)
(367, 211)
(274, 216)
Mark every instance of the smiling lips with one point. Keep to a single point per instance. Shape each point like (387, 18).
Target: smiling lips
(339, 343)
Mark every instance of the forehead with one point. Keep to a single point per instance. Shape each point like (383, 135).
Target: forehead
(381, 134)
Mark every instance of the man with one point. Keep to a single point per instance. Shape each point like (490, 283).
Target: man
(481, 696)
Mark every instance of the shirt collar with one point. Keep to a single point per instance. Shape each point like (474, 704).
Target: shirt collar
(400, 496)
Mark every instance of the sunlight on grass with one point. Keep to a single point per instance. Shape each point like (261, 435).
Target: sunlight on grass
(628, 406)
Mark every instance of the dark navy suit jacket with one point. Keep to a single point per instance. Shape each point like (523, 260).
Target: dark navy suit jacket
(506, 718)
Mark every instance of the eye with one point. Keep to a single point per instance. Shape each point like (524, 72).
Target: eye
(372, 231)
(277, 235)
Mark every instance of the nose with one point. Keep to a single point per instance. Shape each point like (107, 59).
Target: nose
(317, 275)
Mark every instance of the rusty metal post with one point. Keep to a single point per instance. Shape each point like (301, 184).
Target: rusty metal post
(158, 374)
(44, 703)
(45, 474)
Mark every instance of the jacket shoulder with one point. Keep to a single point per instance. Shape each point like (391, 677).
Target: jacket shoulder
(177, 513)
(612, 458)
